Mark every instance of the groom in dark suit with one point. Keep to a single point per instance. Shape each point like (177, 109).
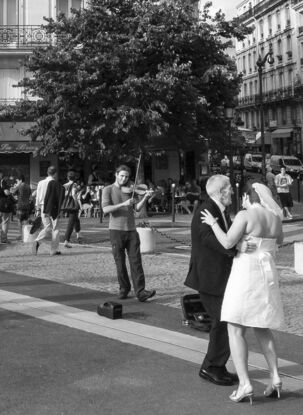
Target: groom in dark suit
(209, 269)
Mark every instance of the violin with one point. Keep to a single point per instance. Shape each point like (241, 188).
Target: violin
(139, 189)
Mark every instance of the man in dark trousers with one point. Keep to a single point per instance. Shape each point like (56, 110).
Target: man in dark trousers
(123, 235)
(48, 203)
(209, 269)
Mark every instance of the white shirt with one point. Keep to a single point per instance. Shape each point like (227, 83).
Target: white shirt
(222, 210)
(41, 192)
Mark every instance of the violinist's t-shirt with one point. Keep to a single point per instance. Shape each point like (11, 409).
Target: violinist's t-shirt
(122, 219)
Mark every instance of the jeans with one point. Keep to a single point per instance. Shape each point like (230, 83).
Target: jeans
(128, 241)
(4, 219)
(73, 223)
(50, 228)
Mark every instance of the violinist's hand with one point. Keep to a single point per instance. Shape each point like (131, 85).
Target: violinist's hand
(129, 202)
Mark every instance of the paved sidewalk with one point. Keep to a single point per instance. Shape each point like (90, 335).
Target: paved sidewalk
(69, 360)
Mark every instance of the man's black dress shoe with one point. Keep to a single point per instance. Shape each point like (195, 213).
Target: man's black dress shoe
(217, 378)
(145, 295)
(232, 376)
(123, 295)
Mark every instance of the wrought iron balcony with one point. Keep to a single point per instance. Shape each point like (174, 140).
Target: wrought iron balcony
(23, 37)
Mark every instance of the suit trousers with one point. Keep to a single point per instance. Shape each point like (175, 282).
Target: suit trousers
(218, 351)
(50, 229)
(128, 241)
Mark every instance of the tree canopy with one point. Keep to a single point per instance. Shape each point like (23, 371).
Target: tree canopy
(123, 75)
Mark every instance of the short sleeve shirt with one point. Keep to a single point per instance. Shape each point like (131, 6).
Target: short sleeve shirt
(122, 219)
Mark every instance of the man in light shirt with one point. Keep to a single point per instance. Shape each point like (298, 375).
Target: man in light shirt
(48, 202)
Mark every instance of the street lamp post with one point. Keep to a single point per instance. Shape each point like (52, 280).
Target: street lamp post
(229, 115)
(261, 64)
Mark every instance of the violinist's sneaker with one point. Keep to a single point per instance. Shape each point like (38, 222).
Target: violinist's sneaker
(145, 295)
(67, 244)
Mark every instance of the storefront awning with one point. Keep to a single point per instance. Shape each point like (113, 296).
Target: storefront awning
(282, 133)
(18, 147)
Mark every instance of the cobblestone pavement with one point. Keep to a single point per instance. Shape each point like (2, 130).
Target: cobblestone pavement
(92, 266)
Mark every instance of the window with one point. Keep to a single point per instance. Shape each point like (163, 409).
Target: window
(290, 78)
(8, 12)
(245, 89)
(64, 6)
(269, 22)
(287, 15)
(35, 11)
(281, 80)
(9, 78)
(249, 62)
(278, 18)
(244, 63)
(256, 87)
(261, 24)
(251, 88)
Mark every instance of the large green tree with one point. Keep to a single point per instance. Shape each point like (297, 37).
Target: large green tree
(126, 74)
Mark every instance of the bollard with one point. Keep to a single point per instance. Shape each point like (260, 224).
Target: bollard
(173, 189)
(298, 251)
(298, 188)
(147, 240)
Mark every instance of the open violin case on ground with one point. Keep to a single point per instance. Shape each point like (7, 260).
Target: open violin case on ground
(194, 312)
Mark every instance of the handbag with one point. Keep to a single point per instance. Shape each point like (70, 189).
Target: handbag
(35, 225)
(69, 203)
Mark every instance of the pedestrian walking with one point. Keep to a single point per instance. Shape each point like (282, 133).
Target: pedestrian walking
(48, 203)
(71, 207)
(6, 207)
(271, 183)
(23, 192)
(283, 182)
(123, 235)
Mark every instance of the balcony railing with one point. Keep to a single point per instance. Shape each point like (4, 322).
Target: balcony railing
(23, 37)
(280, 94)
(259, 8)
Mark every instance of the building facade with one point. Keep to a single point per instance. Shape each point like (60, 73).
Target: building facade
(20, 32)
(277, 25)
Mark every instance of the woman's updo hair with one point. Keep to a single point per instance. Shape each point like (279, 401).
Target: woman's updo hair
(251, 193)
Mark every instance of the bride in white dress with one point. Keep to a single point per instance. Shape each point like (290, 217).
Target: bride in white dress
(252, 296)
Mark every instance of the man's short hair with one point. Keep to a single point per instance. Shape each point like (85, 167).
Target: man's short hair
(21, 177)
(123, 167)
(216, 183)
(51, 171)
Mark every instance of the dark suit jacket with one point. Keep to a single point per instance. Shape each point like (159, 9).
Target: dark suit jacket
(53, 199)
(210, 263)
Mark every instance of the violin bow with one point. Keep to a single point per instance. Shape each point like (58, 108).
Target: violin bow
(137, 174)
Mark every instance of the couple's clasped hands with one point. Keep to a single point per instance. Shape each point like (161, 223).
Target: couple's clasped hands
(246, 245)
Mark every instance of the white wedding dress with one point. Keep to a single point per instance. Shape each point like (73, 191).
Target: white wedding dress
(252, 297)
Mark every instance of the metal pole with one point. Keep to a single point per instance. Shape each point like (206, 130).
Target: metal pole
(100, 204)
(299, 189)
(260, 70)
(173, 188)
(231, 162)
(237, 197)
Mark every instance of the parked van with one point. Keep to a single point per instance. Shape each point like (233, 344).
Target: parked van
(291, 163)
(253, 162)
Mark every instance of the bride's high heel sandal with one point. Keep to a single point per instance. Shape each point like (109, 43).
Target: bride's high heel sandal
(273, 390)
(247, 392)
